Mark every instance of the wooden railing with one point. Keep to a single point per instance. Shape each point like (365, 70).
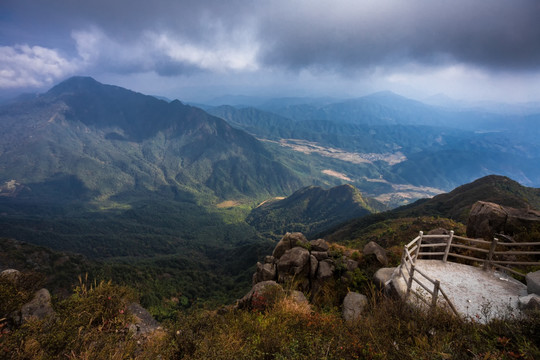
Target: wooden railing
(491, 254)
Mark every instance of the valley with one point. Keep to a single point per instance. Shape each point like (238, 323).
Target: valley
(256, 180)
(132, 182)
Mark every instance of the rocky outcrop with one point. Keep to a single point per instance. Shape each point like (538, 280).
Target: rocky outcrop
(319, 245)
(39, 307)
(265, 272)
(287, 242)
(373, 248)
(487, 219)
(353, 306)
(303, 267)
(295, 265)
(295, 260)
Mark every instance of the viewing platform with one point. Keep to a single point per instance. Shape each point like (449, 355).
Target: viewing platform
(479, 287)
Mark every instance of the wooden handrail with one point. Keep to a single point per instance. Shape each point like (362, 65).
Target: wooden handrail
(413, 250)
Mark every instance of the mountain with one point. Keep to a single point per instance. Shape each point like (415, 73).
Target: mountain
(83, 139)
(343, 135)
(381, 108)
(436, 147)
(311, 210)
(454, 205)
(457, 203)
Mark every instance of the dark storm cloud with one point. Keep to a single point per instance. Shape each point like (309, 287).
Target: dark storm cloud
(298, 34)
(497, 34)
(390, 41)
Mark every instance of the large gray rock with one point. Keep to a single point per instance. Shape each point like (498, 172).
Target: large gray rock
(298, 297)
(313, 266)
(287, 242)
(351, 264)
(39, 307)
(143, 321)
(320, 255)
(265, 272)
(533, 282)
(295, 264)
(262, 293)
(375, 249)
(487, 219)
(353, 306)
(383, 276)
(10, 274)
(319, 245)
(529, 302)
(326, 269)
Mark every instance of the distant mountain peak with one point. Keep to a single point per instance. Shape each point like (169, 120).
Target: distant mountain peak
(75, 83)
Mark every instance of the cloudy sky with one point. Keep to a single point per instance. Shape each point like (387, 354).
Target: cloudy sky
(199, 49)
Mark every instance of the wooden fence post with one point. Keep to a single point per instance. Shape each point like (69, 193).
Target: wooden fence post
(418, 243)
(448, 244)
(487, 264)
(409, 283)
(435, 295)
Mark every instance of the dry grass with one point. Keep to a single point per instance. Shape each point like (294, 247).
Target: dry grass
(91, 325)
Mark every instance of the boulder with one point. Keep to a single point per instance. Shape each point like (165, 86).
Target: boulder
(351, 264)
(269, 259)
(533, 282)
(265, 272)
(143, 322)
(39, 307)
(326, 269)
(313, 266)
(261, 295)
(10, 275)
(298, 297)
(487, 219)
(529, 302)
(375, 249)
(295, 264)
(353, 306)
(287, 242)
(320, 255)
(319, 245)
(383, 276)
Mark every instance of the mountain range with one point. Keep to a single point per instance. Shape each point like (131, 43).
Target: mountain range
(94, 141)
(136, 182)
(433, 146)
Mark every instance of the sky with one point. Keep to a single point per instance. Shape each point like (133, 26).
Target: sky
(196, 50)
